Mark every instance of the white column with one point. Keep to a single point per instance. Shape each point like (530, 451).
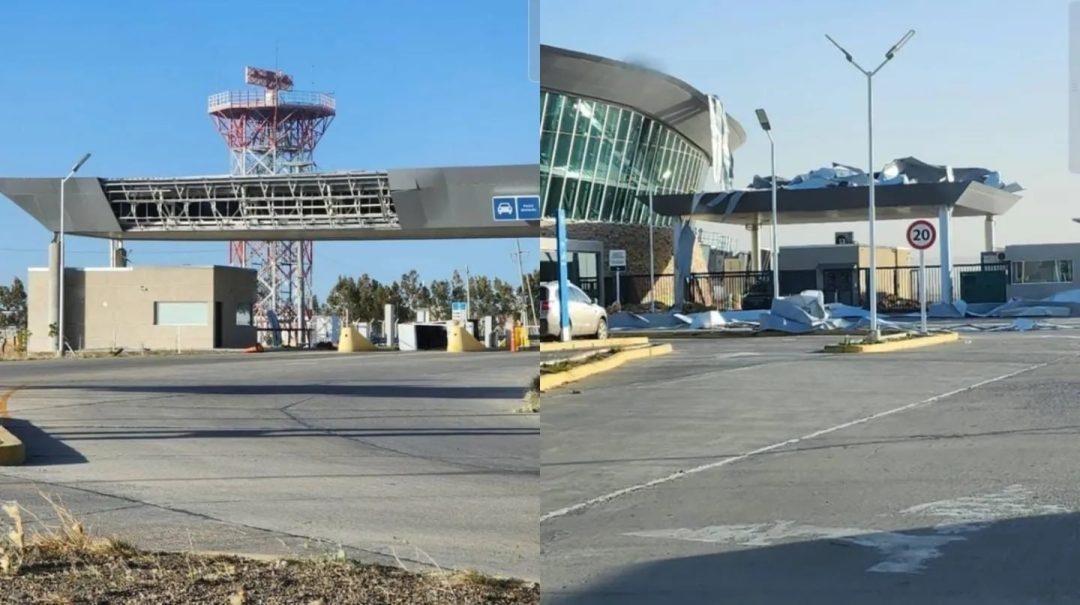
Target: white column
(988, 234)
(945, 249)
(755, 247)
(54, 287)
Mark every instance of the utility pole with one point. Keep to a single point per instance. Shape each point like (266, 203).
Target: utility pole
(526, 285)
(468, 294)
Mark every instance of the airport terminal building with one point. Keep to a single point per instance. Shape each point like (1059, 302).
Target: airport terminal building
(610, 133)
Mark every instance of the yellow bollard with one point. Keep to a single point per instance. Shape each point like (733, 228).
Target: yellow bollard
(351, 341)
(458, 339)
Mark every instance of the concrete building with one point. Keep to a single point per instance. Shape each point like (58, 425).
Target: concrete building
(611, 132)
(156, 308)
(1040, 270)
(835, 270)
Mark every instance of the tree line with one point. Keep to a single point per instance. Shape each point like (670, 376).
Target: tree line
(364, 298)
(13, 305)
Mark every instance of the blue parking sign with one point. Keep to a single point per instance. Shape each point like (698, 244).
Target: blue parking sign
(528, 207)
(504, 208)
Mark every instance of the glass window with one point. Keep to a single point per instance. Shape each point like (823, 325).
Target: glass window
(243, 315)
(552, 110)
(181, 313)
(1042, 271)
(577, 295)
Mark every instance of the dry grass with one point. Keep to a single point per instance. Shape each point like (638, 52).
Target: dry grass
(532, 398)
(62, 562)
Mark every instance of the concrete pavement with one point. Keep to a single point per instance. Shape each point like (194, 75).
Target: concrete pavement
(417, 455)
(941, 475)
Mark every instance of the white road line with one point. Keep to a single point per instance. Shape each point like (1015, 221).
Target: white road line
(573, 508)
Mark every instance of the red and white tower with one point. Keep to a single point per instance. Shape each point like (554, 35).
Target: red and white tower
(271, 129)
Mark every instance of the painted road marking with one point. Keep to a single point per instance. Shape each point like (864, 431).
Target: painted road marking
(573, 508)
(4, 397)
(978, 511)
(902, 552)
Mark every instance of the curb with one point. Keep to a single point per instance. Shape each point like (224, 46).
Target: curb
(551, 381)
(574, 345)
(895, 345)
(12, 451)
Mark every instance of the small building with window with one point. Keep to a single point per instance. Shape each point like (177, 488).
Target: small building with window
(1040, 270)
(146, 308)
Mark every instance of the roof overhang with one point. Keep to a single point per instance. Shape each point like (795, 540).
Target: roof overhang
(650, 92)
(430, 203)
(837, 204)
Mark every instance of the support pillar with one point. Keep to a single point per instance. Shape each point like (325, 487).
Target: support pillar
(117, 254)
(54, 288)
(945, 249)
(989, 243)
(684, 240)
(755, 247)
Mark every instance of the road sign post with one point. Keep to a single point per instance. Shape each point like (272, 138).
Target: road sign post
(922, 235)
(617, 263)
(564, 287)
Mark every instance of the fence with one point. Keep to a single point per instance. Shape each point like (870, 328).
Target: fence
(640, 289)
(898, 287)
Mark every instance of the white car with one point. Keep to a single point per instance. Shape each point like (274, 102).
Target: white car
(587, 317)
(505, 208)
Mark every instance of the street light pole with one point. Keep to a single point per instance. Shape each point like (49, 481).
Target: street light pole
(763, 119)
(652, 263)
(63, 259)
(875, 334)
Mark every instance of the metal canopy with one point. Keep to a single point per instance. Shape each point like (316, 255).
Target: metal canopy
(837, 204)
(424, 203)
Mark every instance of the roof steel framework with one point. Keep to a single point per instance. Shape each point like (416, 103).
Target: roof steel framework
(269, 202)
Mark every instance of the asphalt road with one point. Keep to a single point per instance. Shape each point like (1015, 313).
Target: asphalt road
(759, 471)
(417, 455)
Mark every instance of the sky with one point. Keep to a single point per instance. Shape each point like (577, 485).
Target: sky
(983, 83)
(417, 83)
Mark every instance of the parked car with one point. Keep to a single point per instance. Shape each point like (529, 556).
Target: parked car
(587, 317)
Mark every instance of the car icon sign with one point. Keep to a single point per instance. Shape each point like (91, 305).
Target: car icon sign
(504, 208)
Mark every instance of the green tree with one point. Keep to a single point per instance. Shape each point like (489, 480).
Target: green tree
(343, 299)
(409, 295)
(440, 299)
(457, 287)
(13, 312)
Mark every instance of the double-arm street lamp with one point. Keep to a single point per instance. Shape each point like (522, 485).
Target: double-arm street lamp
(874, 333)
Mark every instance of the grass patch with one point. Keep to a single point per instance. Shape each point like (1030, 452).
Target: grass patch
(563, 365)
(62, 562)
(532, 398)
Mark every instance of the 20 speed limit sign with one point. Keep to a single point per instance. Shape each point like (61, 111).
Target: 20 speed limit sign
(921, 234)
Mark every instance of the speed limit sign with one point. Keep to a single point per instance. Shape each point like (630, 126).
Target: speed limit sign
(921, 234)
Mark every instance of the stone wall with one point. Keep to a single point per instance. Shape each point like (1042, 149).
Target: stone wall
(635, 240)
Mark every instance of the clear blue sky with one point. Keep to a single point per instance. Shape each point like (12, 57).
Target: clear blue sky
(418, 83)
(982, 83)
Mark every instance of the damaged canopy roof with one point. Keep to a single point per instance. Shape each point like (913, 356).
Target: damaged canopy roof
(838, 204)
(903, 171)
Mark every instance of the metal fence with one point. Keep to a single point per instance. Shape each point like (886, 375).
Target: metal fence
(898, 287)
(640, 290)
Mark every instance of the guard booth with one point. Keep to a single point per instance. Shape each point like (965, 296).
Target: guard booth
(842, 277)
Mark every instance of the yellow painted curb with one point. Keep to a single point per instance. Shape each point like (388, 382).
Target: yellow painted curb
(895, 345)
(12, 451)
(574, 345)
(550, 381)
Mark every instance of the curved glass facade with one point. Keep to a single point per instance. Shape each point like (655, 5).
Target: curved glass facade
(595, 158)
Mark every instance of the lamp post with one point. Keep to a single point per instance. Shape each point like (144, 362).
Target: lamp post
(652, 222)
(763, 119)
(63, 260)
(874, 333)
